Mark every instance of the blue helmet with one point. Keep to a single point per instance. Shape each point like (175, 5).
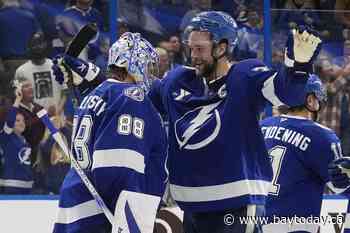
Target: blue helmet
(220, 25)
(313, 86)
(137, 56)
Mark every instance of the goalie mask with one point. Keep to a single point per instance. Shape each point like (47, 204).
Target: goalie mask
(137, 56)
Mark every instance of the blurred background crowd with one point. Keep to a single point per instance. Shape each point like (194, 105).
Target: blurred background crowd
(32, 32)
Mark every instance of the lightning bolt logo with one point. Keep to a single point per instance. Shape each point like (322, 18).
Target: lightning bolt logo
(24, 155)
(204, 114)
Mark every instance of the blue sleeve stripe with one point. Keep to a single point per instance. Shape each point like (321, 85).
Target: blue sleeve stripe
(119, 158)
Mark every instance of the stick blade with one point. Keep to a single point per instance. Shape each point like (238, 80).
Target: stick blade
(81, 39)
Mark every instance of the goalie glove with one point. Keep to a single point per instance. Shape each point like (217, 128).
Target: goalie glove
(66, 67)
(303, 46)
(339, 172)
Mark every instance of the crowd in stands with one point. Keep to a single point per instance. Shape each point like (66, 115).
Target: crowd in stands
(35, 31)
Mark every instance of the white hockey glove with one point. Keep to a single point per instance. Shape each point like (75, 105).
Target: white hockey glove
(303, 46)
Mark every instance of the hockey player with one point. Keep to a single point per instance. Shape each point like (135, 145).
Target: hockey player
(217, 156)
(339, 174)
(118, 136)
(16, 175)
(300, 151)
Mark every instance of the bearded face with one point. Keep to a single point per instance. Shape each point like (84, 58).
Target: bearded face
(200, 47)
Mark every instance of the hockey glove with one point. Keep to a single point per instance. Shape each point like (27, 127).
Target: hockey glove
(66, 67)
(303, 46)
(339, 172)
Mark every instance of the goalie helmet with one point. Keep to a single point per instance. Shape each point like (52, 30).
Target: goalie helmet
(137, 56)
(220, 25)
(313, 86)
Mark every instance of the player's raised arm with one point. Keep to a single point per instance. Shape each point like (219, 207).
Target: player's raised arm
(11, 116)
(85, 75)
(280, 87)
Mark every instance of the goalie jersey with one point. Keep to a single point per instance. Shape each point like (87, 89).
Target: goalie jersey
(120, 142)
(217, 155)
(300, 151)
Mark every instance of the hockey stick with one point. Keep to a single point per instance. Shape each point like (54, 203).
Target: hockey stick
(42, 114)
(79, 42)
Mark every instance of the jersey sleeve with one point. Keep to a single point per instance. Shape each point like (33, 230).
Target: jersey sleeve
(9, 124)
(86, 86)
(131, 138)
(156, 94)
(277, 87)
(10, 120)
(323, 152)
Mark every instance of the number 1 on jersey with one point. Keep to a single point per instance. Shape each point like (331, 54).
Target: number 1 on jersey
(276, 154)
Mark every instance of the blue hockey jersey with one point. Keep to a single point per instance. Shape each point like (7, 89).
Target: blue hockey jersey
(120, 141)
(217, 155)
(300, 151)
(16, 174)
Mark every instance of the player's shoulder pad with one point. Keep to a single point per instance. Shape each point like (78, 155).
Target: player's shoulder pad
(180, 72)
(268, 121)
(324, 133)
(252, 67)
(117, 89)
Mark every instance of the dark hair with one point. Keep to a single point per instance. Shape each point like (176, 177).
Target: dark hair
(115, 72)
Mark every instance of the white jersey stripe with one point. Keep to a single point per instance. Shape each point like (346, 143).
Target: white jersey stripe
(286, 228)
(251, 211)
(16, 183)
(119, 158)
(7, 129)
(268, 91)
(77, 212)
(347, 221)
(219, 192)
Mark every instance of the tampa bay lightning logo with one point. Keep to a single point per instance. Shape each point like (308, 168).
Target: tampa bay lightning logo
(135, 93)
(198, 128)
(24, 155)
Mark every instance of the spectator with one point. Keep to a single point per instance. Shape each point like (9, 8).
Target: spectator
(335, 113)
(35, 129)
(47, 92)
(176, 48)
(197, 6)
(102, 58)
(16, 175)
(298, 13)
(163, 62)
(122, 27)
(168, 46)
(74, 18)
(5, 84)
(250, 36)
(17, 25)
(341, 12)
(54, 164)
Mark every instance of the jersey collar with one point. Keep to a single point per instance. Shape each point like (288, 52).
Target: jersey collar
(294, 117)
